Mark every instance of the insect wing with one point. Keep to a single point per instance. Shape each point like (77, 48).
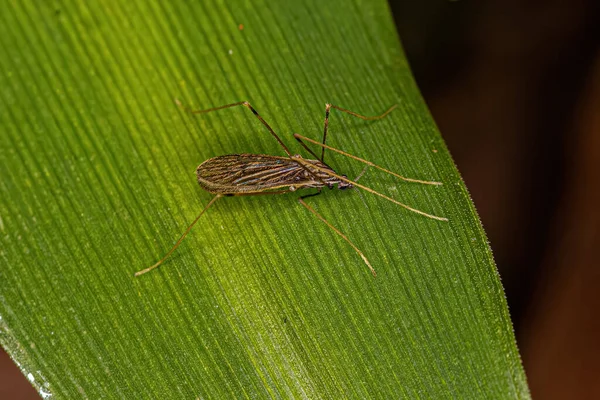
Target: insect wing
(238, 173)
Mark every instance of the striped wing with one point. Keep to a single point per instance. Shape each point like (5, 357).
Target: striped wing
(243, 173)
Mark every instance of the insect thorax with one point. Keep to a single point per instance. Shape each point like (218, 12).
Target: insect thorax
(322, 174)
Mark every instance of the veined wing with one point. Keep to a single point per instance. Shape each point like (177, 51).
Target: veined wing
(237, 173)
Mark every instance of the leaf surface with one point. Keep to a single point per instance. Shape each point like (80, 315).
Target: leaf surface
(262, 299)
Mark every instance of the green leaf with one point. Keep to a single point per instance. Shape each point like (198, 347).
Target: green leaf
(261, 299)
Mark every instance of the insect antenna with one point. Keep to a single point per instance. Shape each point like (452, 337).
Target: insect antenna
(360, 175)
(189, 228)
(300, 138)
(358, 185)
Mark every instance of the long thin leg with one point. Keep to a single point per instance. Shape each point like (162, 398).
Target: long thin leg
(300, 138)
(333, 228)
(308, 149)
(241, 103)
(306, 196)
(354, 183)
(189, 228)
(326, 125)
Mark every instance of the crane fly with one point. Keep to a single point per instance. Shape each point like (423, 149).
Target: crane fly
(260, 174)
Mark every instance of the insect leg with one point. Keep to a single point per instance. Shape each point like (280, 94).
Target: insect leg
(326, 125)
(376, 193)
(308, 149)
(306, 196)
(241, 103)
(189, 228)
(369, 163)
(333, 228)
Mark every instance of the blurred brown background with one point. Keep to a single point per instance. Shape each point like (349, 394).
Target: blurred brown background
(514, 86)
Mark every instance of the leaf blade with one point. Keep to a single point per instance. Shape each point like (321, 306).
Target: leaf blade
(261, 300)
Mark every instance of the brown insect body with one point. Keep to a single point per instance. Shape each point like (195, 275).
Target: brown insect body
(260, 172)
(257, 174)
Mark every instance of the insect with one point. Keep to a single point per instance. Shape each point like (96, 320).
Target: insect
(259, 174)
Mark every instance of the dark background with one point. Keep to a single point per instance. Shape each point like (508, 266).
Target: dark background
(514, 86)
